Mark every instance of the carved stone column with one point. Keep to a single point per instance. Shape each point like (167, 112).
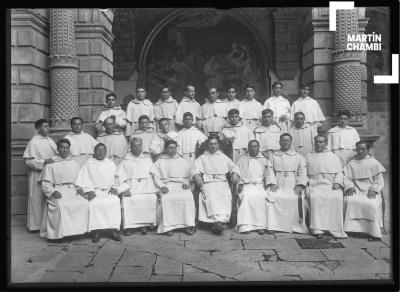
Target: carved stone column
(63, 65)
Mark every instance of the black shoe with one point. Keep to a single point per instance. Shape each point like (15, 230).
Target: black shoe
(270, 232)
(115, 235)
(371, 238)
(96, 236)
(169, 233)
(319, 236)
(128, 232)
(261, 231)
(189, 231)
(218, 228)
(143, 231)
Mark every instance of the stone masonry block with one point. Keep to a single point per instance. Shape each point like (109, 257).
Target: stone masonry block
(92, 97)
(280, 26)
(84, 15)
(42, 43)
(323, 90)
(96, 48)
(85, 113)
(31, 113)
(19, 185)
(26, 76)
(83, 80)
(322, 56)
(29, 94)
(13, 37)
(292, 25)
(25, 37)
(319, 41)
(281, 47)
(29, 56)
(14, 113)
(286, 57)
(308, 46)
(96, 112)
(42, 78)
(19, 203)
(14, 76)
(22, 131)
(286, 37)
(292, 47)
(82, 48)
(101, 81)
(18, 166)
(95, 15)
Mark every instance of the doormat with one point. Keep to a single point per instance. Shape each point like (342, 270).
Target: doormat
(315, 243)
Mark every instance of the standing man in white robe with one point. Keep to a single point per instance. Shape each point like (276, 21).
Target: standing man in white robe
(324, 193)
(213, 113)
(137, 189)
(82, 144)
(363, 184)
(146, 133)
(112, 110)
(342, 139)
(165, 108)
(231, 99)
(286, 181)
(115, 141)
(66, 212)
(215, 199)
(171, 175)
(188, 104)
(96, 182)
(157, 143)
(268, 133)
(250, 109)
(280, 106)
(252, 211)
(303, 134)
(39, 151)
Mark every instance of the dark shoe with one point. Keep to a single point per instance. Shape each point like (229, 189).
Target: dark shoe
(169, 233)
(115, 235)
(319, 236)
(245, 232)
(270, 232)
(218, 228)
(189, 231)
(128, 232)
(371, 238)
(96, 236)
(143, 231)
(260, 231)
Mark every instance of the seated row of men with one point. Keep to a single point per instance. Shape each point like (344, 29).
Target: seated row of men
(276, 192)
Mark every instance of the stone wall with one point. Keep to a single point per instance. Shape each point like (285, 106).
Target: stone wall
(380, 123)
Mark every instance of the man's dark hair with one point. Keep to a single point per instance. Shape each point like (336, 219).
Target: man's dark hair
(185, 88)
(187, 114)
(75, 118)
(142, 117)
(233, 111)
(276, 83)
(367, 143)
(161, 120)
(286, 134)
(100, 145)
(63, 140)
(111, 94)
(267, 110)
(321, 136)
(40, 122)
(343, 113)
(251, 141)
(299, 113)
(169, 142)
(249, 86)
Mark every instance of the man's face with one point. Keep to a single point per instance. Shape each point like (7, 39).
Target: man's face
(136, 148)
(305, 91)
(320, 144)
(232, 93)
(267, 119)
(190, 92)
(362, 150)
(63, 150)
(171, 149)
(249, 93)
(144, 124)
(299, 121)
(254, 148)
(212, 95)
(141, 93)
(188, 122)
(109, 125)
(100, 152)
(343, 120)
(111, 101)
(234, 119)
(165, 94)
(76, 126)
(44, 129)
(277, 90)
(285, 142)
(213, 146)
(164, 126)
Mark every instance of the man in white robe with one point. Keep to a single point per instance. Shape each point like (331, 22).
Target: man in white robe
(96, 181)
(252, 211)
(268, 133)
(82, 144)
(188, 104)
(39, 151)
(136, 108)
(215, 199)
(237, 134)
(324, 193)
(66, 212)
(303, 134)
(157, 143)
(115, 141)
(171, 175)
(165, 107)
(363, 184)
(146, 133)
(286, 181)
(280, 106)
(189, 138)
(342, 139)
(250, 109)
(137, 189)
(231, 99)
(213, 112)
(111, 110)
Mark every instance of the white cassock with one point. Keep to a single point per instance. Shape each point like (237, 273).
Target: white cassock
(213, 116)
(362, 214)
(134, 110)
(39, 149)
(303, 138)
(342, 142)
(216, 203)
(281, 107)
(187, 105)
(140, 208)
(250, 112)
(146, 136)
(176, 208)
(326, 205)
(287, 170)
(116, 145)
(242, 135)
(232, 104)
(187, 140)
(82, 146)
(120, 118)
(268, 137)
(157, 143)
(105, 209)
(68, 215)
(252, 211)
(166, 109)
(310, 108)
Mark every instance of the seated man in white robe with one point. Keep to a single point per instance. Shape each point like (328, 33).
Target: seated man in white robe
(145, 132)
(115, 141)
(215, 199)
(250, 109)
(231, 98)
(111, 110)
(137, 189)
(237, 134)
(252, 212)
(39, 151)
(303, 134)
(280, 106)
(213, 112)
(82, 144)
(96, 181)
(165, 108)
(66, 212)
(324, 193)
(363, 184)
(171, 175)
(342, 139)
(189, 138)
(268, 133)
(286, 181)
(164, 134)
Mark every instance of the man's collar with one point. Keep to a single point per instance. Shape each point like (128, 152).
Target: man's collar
(239, 124)
(143, 101)
(132, 156)
(148, 130)
(246, 100)
(38, 136)
(116, 132)
(233, 100)
(289, 152)
(187, 99)
(259, 155)
(117, 107)
(168, 100)
(80, 133)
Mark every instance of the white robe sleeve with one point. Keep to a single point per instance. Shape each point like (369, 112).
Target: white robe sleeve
(270, 174)
(47, 188)
(35, 164)
(339, 178)
(301, 172)
(378, 183)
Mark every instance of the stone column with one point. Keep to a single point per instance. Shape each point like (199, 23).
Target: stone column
(63, 65)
